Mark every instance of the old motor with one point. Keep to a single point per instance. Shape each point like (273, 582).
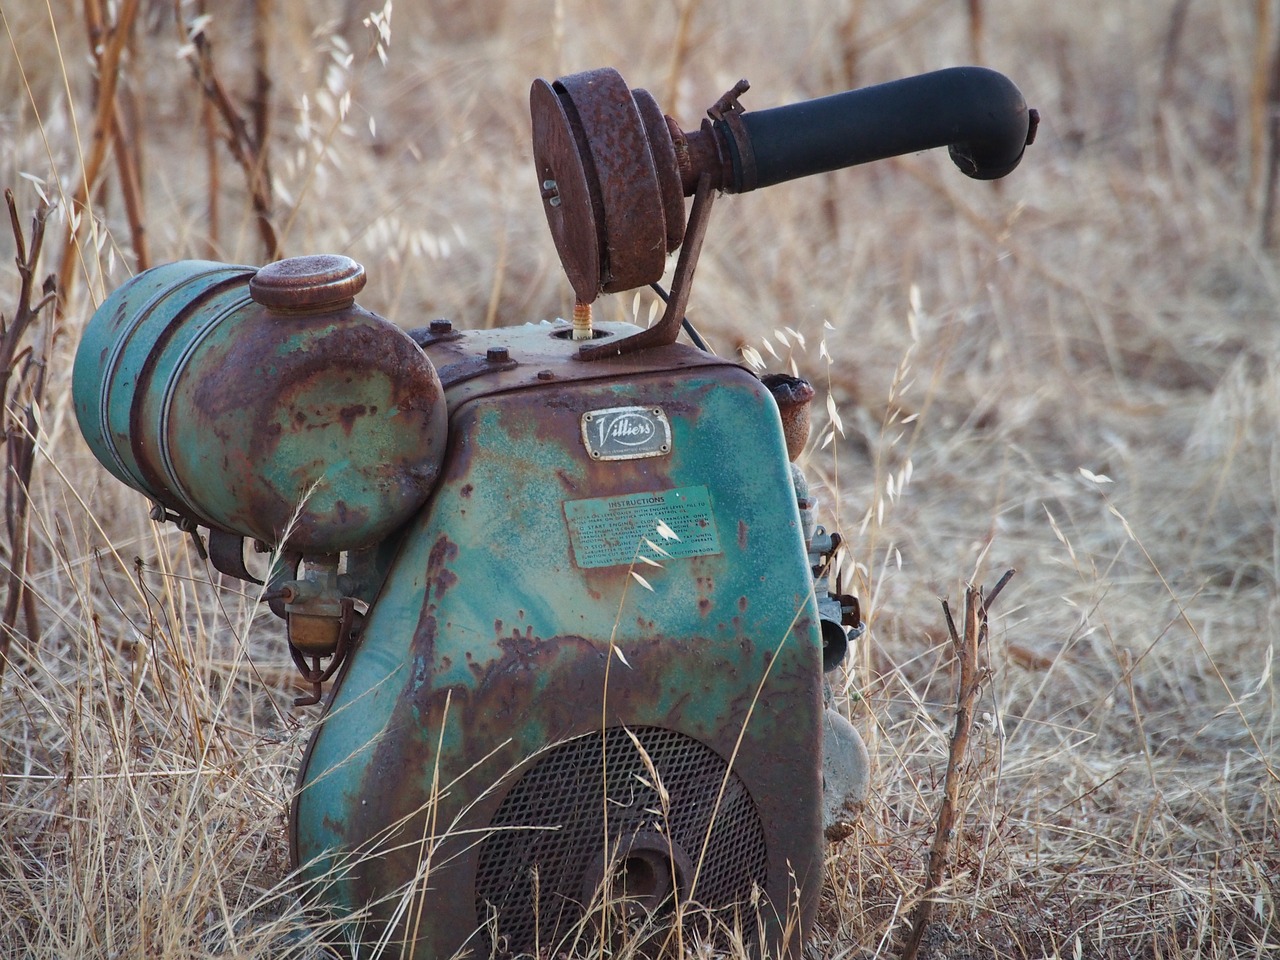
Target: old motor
(523, 749)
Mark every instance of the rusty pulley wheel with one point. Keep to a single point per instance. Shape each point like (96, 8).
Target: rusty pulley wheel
(610, 191)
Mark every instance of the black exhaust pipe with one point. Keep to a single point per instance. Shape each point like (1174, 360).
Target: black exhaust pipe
(977, 113)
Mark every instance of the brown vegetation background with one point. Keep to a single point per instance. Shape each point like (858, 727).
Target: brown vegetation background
(1074, 373)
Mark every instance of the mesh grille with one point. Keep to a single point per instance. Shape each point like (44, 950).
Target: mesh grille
(550, 829)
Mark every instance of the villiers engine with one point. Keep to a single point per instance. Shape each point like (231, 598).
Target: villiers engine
(565, 579)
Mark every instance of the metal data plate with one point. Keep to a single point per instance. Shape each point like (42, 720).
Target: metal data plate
(609, 531)
(626, 433)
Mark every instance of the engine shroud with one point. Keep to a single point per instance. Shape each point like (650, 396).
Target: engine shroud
(501, 742)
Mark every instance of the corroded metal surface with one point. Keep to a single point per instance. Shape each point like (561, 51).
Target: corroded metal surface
(666, 165)
(455, 692)
(609, 178)
(572, 208)
(794, 396)
(304, 283)
(544, 355)
(609, 123)
(312, 419)
(116, 349)
(667, 329)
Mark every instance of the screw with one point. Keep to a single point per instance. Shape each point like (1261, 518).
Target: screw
(546, 375)
(441, 326)
(497, 355)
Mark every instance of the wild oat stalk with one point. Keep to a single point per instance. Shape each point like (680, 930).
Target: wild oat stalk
(1268, 128)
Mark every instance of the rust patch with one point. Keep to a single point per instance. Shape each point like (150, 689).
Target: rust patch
(439, 579)
(265, 377)
(349, 415)
(706, 588)
(794, 395)
(332, 825)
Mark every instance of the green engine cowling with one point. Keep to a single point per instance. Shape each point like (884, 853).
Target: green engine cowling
(262, 403)
(586, 697)
(527, 729)
(527, 743)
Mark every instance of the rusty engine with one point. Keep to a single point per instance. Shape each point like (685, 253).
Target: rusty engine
(566, 578)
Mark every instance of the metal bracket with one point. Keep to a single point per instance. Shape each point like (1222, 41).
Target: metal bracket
(470, 368)
(440, 331)
(667, 329)
(226, 553)
(728, 111)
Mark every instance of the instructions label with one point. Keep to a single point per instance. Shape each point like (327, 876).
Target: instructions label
(607, 531)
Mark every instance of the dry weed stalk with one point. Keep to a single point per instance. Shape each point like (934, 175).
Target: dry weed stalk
(680, 49)
(966, 649)
(22, 399)
(1267, 75)
(106, 126)
(1260, 94)
(126, 148)
(848, 48)
(976, 30)
(246, 141)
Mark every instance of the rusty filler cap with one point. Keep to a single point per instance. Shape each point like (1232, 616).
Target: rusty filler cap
(322, 281)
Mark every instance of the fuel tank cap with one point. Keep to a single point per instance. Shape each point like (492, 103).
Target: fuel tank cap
(305, 283)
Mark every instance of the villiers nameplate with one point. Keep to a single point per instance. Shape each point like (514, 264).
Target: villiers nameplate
(626, 433)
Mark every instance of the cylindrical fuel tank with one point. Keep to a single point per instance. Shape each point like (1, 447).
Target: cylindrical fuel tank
(262, 402)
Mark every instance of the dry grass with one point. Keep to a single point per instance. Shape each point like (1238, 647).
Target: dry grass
(1075, 373)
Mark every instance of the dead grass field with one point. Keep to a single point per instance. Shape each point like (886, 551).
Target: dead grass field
(1074, 373)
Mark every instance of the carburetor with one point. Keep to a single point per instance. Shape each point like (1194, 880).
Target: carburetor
(566, 578)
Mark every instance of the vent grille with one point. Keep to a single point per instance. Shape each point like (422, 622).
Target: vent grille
(543, 860)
